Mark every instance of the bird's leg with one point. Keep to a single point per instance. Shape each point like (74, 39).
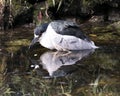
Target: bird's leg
(60, 48)
(67, 52)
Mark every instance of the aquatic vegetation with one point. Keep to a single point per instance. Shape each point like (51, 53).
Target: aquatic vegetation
(16, 44)
(103, 33)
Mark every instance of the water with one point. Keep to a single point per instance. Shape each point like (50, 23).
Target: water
(42, 72)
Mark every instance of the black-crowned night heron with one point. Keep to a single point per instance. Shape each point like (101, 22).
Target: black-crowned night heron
(62, 35)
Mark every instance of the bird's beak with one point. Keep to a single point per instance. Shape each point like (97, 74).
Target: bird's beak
(33, 42)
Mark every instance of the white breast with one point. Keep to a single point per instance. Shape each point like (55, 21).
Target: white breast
(47, 38)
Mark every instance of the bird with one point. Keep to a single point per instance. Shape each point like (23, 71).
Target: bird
(62, 35)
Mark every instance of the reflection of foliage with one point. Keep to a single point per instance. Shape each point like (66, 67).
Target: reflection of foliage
(102, 60)
(3, 75)
(85, 81)
(33, 85)
(102, 86)
(16, 39)
(106, 61)
(15, 45)
(3, 69)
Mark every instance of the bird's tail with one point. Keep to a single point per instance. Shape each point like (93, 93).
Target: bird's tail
(93, 45)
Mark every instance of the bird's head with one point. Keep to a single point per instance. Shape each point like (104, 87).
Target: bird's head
(37, 33)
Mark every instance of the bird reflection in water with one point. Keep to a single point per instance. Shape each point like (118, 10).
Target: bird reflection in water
(58, 63)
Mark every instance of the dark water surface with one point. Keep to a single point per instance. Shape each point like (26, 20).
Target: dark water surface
(42, 72)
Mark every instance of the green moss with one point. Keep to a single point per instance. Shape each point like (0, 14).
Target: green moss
(15, 45)
(97, 29)
(18, 42)
(104, 32)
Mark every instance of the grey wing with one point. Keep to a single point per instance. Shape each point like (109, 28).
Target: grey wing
(60, 25)
(68, 28)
